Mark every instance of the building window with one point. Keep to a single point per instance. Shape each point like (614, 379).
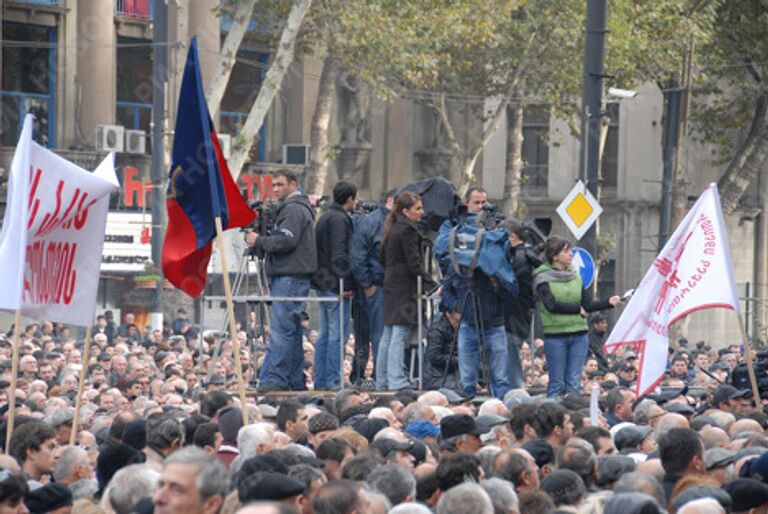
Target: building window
(535, 149)
(609, 165)
(134, 84)
(28, 82)
(242, 89)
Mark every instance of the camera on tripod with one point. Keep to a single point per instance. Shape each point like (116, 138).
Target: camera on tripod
(364, 208)
(265, 217)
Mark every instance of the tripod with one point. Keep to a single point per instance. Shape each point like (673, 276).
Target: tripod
(262, 312)
(485, 371)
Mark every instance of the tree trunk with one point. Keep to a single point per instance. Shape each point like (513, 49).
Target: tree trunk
(321, 120)
(270, 87)
(734, 181)
(226, 63)
(513, 176)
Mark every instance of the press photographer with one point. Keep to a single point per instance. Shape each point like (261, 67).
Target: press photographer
(291, 259)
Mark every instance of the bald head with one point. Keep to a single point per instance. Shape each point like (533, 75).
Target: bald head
(745, 425)
(702, 506)
(669, 421)
(714, 437)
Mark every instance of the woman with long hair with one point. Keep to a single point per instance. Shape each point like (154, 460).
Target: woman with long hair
(401, 253)
(563, 306)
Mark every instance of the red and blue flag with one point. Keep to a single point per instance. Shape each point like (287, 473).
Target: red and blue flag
(200, 188)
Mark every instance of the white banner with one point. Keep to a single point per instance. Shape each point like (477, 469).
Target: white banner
(691, 273)
(59, 228)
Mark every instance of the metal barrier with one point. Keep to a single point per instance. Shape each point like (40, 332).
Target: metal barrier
(247, 299)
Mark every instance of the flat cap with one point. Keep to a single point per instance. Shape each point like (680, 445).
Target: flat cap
(321, 422)
(458, 424)
(385, 446)
(268, 486)
(718, 457)
(746, 493)
(631, 436)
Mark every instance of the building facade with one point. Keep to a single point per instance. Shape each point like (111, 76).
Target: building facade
(84, 68)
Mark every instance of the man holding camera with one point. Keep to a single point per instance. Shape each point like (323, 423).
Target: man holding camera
(334, 236)
(291, 259)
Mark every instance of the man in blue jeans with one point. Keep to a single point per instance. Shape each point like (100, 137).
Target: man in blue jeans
(369, 272)
(334, 237)
(291, 259)
(480, 300)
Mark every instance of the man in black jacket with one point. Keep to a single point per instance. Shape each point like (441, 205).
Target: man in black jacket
(441, 336)
(291, 259)
(334, 236)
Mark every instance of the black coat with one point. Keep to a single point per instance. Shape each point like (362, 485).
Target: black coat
(403, 262)
(440, 338)
(333, 234)
(520, 309)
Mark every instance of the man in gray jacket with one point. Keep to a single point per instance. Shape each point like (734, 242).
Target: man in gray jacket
(291, 260)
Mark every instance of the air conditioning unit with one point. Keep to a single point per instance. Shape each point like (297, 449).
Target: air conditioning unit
(225, 142)
(296, 154)
(110, 138)
(135, 141)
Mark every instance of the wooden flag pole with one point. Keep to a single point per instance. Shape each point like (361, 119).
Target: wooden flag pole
(748, 358)
(231, 316)
(14, 376)
(81, 384)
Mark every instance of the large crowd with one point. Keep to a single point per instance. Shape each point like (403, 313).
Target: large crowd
(516, 410)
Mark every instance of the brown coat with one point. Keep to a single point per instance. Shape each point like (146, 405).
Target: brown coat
(403, 259)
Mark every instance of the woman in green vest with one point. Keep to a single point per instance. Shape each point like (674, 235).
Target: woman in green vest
(563, 306)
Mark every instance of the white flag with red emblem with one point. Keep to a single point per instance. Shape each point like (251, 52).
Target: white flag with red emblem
(692, 272)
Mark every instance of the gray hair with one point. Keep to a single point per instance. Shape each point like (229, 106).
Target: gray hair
(394, 482)
(84, 489)
(641, 482)
(69, 457)
(467, 498)
(502, 494)
(129, 485)
(487, 456)
(490, 407)
(417, 410)
(212, 477)
(250, 437)
(410, 508)
(642, 411)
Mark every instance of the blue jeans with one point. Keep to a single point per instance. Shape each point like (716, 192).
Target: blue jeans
(566, 357)
(390, 373)
(284, 362)
(515, 366)
(328, 346)
(495, 354)
(374, 308)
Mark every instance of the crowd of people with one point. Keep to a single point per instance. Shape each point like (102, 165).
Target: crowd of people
(153, 439)
(518, 409)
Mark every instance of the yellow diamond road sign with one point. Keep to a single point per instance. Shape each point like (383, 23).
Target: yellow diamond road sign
(579, 210)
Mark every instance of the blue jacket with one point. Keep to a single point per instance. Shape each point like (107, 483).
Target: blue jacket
(366, 248)
(492, 296)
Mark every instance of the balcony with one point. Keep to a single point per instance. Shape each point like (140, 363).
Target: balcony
(136, 9)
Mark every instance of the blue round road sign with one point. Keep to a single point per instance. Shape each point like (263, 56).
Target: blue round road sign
(584, 264)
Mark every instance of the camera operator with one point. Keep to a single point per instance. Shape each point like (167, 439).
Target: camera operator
(440, 336)
(519, 310)
(334, 236)
(291, 259)
(476, 199)
(369, 273)
(481, 328)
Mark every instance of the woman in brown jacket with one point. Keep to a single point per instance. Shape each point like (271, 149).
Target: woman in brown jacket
(403, 263)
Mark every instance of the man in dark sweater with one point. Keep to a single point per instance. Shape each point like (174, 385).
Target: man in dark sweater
(291, 260)
(333, 235)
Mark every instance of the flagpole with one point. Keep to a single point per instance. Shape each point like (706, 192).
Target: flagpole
(231, 316)
(81, 384)
(748, 358)
(14, 376)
